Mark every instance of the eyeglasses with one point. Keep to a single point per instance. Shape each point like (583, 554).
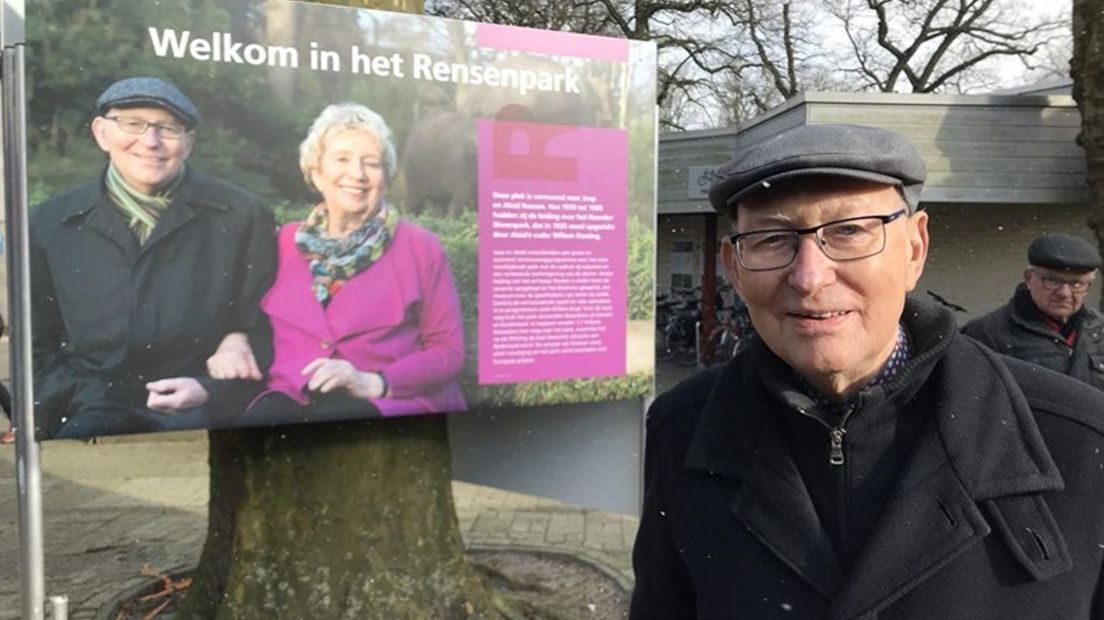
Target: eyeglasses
(1053, 284)
(848, 239)
(138, 126)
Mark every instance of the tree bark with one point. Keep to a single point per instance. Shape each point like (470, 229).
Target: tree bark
(339, 520)
(1087, 69)
(336, 520)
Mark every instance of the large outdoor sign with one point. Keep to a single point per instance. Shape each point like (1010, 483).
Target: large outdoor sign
(252, 213)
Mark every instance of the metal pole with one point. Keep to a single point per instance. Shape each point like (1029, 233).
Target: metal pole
(28, 459)
(59, 607)
(697, 344)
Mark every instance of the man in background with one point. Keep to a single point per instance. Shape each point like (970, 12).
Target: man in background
(1046, 321)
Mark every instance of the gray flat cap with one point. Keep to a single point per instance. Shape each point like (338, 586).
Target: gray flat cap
(854, 151)
(1065, 252)
(137, 92)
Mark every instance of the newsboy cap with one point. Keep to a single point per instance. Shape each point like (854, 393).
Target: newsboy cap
(137, 92)
(1065, 252)
(854, 151)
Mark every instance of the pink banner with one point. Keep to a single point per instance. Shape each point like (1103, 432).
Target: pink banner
(552, 42)
(552, 251)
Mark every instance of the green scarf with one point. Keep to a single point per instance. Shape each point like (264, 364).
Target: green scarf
(141, 211)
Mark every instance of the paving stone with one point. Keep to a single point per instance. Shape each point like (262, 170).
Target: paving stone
(103, 521)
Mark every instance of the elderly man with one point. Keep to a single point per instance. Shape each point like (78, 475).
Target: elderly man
(138, 274)
(862, 459)
(1046, 322)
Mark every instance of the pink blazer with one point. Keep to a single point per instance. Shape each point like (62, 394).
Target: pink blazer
(400, 317)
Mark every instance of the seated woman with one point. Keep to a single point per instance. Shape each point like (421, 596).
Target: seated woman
(365, 316)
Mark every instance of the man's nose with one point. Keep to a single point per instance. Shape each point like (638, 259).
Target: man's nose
(811, 269)
(150, 137)
(1065, 288)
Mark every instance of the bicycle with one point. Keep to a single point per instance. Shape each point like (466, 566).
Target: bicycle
(677, 325)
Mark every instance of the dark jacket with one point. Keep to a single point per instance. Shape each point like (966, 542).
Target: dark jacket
(996, 510)
(1017, 329)
(110, 315)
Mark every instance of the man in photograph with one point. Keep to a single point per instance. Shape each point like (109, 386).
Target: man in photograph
(1046, 321)
(861, 458)
(139, 273)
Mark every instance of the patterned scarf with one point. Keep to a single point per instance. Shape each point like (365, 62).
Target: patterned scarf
(141, 211)
(334, 260)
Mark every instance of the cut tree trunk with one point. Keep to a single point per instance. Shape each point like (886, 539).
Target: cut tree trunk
(339, 520)
(1087, 69)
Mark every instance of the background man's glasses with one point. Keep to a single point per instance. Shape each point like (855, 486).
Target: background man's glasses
(852, 238)
(138, 126)
(1053, 284)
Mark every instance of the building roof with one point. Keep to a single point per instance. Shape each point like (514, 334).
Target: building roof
(979, 149)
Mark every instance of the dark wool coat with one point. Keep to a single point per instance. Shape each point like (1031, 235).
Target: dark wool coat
(110, 315)
(997, 513)
(1016, 329)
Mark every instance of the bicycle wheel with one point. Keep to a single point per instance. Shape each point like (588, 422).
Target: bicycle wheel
(662, 353)
(681, 351)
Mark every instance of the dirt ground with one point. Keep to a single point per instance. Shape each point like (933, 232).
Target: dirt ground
(561, 587)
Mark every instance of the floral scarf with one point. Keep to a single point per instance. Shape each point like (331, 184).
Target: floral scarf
(333, 260)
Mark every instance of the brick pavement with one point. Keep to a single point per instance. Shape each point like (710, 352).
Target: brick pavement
(111, 507)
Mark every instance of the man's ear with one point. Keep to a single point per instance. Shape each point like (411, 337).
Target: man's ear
(731, 266)
(99, 132)
(1027, 274)
(918, 246)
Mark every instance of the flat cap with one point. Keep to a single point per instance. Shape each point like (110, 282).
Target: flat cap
(1060, 251)
(137, 92)
(854, 151)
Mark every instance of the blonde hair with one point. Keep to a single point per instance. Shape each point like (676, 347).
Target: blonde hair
(343, 117)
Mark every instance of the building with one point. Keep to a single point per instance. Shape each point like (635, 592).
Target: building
(1002, 169)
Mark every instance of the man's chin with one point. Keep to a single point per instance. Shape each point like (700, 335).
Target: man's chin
(1062, 315)
(818, 366)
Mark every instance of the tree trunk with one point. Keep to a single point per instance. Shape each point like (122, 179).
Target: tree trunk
(1087, 69)
(337, 520)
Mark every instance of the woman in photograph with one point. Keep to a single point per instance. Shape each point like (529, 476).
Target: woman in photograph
(365, 316)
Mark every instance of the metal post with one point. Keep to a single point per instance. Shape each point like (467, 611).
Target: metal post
(698, 345)
(28, 458)
(59, 607)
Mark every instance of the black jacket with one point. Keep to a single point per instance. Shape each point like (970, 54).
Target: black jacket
(995, 512)
(1016, 329)
(110, 315)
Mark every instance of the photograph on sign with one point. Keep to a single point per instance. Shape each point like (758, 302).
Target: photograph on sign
(250, 213)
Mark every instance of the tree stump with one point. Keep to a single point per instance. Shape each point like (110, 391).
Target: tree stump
(338, 520)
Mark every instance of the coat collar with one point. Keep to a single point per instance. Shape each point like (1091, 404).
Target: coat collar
(92, 203)
(981, 446)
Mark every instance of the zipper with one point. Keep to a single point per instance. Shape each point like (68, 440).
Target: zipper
(836, 462)
(835, 435)
(835, 450)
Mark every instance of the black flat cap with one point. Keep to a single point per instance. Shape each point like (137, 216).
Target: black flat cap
(137, 92)
(1064, 252)
(854, 151)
